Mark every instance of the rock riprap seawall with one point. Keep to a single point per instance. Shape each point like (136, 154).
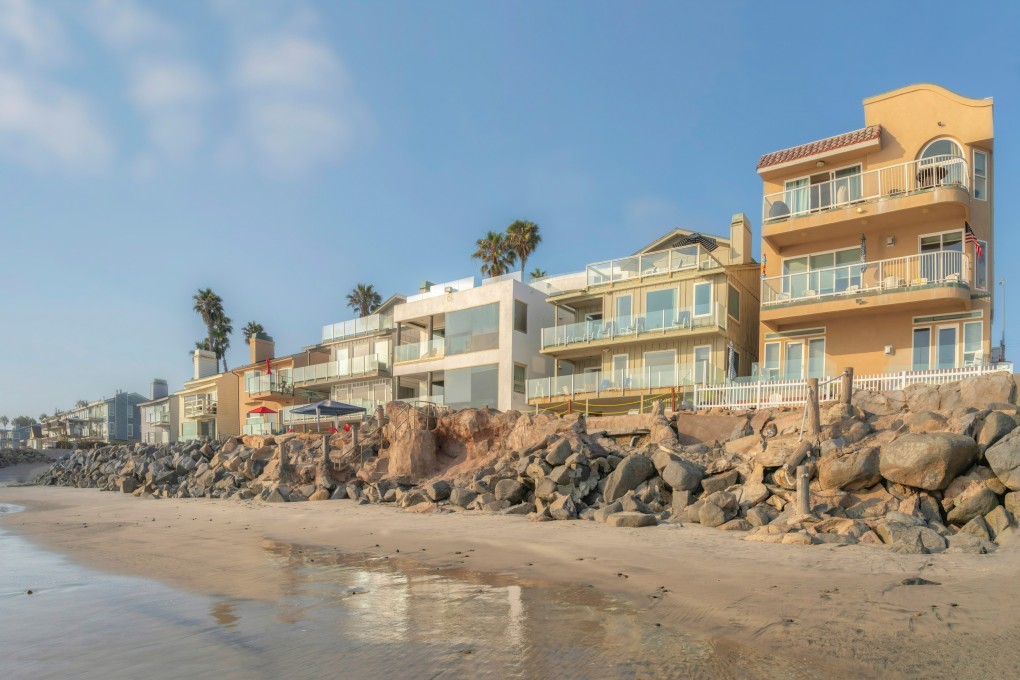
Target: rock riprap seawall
(917, 471)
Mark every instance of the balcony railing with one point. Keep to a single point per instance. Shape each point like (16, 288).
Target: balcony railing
(260, 428)
(896, 274)
(890, 182)
(593, 384)
(654, 323)
(340, 369)
(279, 382)
(158, 418)
(692, 257)
(355, 327)
(420, 351)
(199, 407)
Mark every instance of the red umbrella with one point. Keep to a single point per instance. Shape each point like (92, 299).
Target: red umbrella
(262, 410)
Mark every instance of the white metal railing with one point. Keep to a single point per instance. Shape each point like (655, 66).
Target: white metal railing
(593, 384)
(355, 327)
(763, 394)
(416, 351)
(889, 182)
(340, 368)
(935, 268)
(157, 417)
(669, 320)
(650, 264)
(202, 405)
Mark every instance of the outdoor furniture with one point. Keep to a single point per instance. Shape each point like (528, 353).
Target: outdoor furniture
(931, 175)
(779, 209)
(683, 319)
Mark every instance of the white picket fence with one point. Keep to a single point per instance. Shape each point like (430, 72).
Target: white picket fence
(794, 392)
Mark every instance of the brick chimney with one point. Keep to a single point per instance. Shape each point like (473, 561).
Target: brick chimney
(261, 347)
(740, 239)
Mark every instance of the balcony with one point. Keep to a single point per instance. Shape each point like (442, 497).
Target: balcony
(667, 323)
(420, 351)
(158, 418)
(637, 267)
(598, 384)
(279, 383)
(374, 323)
(340, 369)
(203, 406)
(940, 184)
(921, 282)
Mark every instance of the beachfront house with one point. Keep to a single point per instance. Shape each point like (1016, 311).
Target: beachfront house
(159, 417)
(112, 420)
(208, 405)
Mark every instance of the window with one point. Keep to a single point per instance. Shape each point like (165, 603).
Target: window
(981, 267)
(940, 164)
(702, 364)
(823, 190)
(472, 330)
(623, 310)
(703, 299)
(822, 273)
(733, 303)
(619, 377)
(476, 387)
(660, 308)
(520, 378)
(980, 175)
(794, 361)
(945, 348)
(972, 355)
(520, 316)
(660, 368)
(941, 148)
(816, 358)
(940, 256)
(131, 431)
(770, 369)
(922, 349)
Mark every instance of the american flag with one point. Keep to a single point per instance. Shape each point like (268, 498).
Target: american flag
(971, 238)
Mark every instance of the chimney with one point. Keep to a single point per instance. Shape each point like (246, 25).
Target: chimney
(158, 389)
(740, 239)
(261, 347)
(204, 363)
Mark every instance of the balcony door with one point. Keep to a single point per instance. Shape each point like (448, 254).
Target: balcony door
(946, 346)
(619, 373)
(941, 256)
(660, 308)
(660, 368)
(794, 364)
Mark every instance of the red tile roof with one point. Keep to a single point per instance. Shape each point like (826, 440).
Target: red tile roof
(822, 145)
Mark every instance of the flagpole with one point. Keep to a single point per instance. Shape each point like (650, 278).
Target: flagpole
(1002, 343)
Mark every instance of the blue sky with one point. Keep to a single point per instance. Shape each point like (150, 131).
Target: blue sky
(282, 152)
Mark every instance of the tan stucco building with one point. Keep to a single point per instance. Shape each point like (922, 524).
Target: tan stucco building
(865, 257)
(651, 324)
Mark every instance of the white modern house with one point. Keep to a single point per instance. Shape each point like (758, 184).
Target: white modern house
(469, 344)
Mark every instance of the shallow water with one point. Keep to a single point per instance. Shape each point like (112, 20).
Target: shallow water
(339, 616)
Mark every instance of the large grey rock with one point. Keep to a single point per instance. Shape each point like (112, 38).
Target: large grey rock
(880, 403)
(509, 490)
(681, 476)
(976, 527)
(905, 535)
(999, 520)
(558, 453)
(1004, 459)
(545, 488)
(852, 470)
(967, 543)
(711, 515)
(977, 500)
(438, 490)
(719, 482)
(631, 520)
(760, 515)
(563, 508)
(462, 497)
(987, 389)
(603, 513)
(927, 461)
(921, 397)
(631, 471)
(996, 426)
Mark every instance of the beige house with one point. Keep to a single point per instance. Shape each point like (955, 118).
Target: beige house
(650, 325)
(866, 261)
(208, 405)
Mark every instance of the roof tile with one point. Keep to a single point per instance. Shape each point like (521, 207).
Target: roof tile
(821, 146)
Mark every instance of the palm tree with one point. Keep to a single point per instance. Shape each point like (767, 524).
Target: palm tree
(221, 340)
(524, 239)
(537, 274)
(251, 330)
(364, 299)
(4, 420)
(495, 253)
(209, 306)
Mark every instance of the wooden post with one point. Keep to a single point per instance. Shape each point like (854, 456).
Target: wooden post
(803, 490)
(672, 391)
(847, 386)
(570, 407)
(354, 440)
(814, 420)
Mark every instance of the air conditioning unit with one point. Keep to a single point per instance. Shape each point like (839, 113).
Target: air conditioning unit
(449, 289)
(889, 350)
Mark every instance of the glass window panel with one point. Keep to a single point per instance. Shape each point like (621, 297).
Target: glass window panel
(702, 364)
(972, 343)
(822, 261)
(980, 162)
(941, 147)
(733, 303)
(931, 243)
(702, 299)
(660, 308)
(794, 361)
(797, 195)
(520, 378)
(848, 256)
(945, 351)
(953, 241)
(472, 330)
(922, 349)
(816, 358)
(661, 367)
(520, 316)
(472, 387)
(770, 368)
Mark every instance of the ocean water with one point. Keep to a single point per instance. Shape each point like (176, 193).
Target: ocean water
(339, 616)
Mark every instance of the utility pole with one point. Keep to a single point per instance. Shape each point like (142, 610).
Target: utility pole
(1002, 343)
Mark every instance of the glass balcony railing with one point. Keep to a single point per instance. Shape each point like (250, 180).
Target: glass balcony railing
(666, 321)
(420, 351)
(355, 327)
(279, 382)
(592, 384)
(340, 369)
(691, 257)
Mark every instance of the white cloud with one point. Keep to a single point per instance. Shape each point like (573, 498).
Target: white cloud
(289, 62)
(171, 95)
(28, 29)
(652, 213)
(124, 25)
(45, 125)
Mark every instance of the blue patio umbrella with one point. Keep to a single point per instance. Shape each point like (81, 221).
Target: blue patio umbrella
(328, 407)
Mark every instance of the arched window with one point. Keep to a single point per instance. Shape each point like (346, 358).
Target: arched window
(941, 162)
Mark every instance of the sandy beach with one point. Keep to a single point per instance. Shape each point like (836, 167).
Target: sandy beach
(845, 609)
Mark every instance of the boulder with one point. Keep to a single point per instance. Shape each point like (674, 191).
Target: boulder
(339, 494)
(976, 527)
(987, 389)
(563, 508)
(680, 475)
(996, 426)
(545, 488)
(922, 397)
(558, 453)
(711, 515)
(462, 497)
(603, 513)
(320, 495)
(737, 525)
(719, 482)
(926, 421)
(631, 471)
(909, 536)
(509, 490)
(1011, 501)
(1004, 459)
(880, 403)
(967, 543)
(999, 520)
(760, 515)
(927, 461)
(631, 520)
(851, 470)
(438, 490)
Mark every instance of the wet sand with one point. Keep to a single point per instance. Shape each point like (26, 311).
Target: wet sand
(772, 610)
